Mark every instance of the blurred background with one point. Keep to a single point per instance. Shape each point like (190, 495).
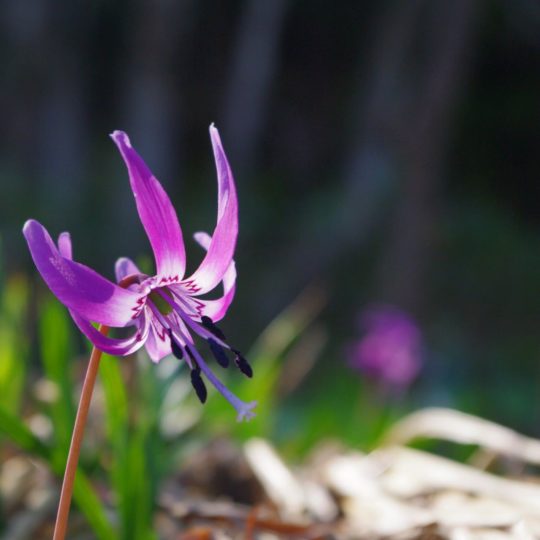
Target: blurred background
(386, 159)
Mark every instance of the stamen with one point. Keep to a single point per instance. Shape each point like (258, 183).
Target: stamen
(161, 304)
(219, 353)
(184, 338)
(178, 324)
(198, 384)
(190, 354)
(244, 410)
(187, 307)
(208, 323)
(195, 326)
(175, 346)
(242, 364)
(163, 320)
(174, 332)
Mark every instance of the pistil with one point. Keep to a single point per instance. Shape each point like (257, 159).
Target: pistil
(244, 410)
(182, 342)
(188, 320)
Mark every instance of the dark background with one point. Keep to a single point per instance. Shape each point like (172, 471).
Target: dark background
(383, 152)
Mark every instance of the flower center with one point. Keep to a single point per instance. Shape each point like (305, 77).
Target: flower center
(175, 316)
(161, 304)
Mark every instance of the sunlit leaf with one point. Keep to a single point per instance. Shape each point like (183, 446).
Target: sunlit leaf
(19, 433)
(57, 357)
(89, 504)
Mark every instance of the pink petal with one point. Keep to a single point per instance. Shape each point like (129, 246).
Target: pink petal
(121, 347)
(156, 212)
(157, 347)
(221, 248)
(125, 267)
(64, 245)
(78, 287)
(216, 309)
(117, 347)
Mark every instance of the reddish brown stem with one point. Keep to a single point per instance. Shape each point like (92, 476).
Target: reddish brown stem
(60, 526)
(62, 515)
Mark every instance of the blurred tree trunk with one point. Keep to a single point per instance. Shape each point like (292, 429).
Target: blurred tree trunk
(49, 137)
(425, 136)
(254, 65)
(62, 133)
(370, 169)
(399, 133)
(152, 106)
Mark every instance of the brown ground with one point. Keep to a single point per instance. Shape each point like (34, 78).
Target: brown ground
(393, 493)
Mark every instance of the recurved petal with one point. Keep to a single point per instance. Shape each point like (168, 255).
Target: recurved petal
(78, 287)
(64, 245)
(157, 345)
(156, 212)
(221, 248)
(125, 267)
(116, 347)
(216, 309)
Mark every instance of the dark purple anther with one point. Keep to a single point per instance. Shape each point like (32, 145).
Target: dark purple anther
(219, 354)
(243, 364)
(175, 348)
(198, 384)
(208, 323)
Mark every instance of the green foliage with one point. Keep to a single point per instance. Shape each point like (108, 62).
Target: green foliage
(88, 502)
(130, 460)
(13, 349)
(267, 356)
(146, 408)
(19, 433)
(135, 454)
(56, 354)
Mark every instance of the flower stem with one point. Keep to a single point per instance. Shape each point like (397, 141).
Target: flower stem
(60, 526)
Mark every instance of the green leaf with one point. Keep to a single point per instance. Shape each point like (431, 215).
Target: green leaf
(56, 354)
(89, 504)
(116, 400)
(83, 492)
(130, 475)
(13, 349)
(19, 433)
(137, 493)
(117, 422)
(266, 357)
(12, 367)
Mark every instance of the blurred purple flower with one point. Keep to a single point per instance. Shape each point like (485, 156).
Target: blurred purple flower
(390, 350)
(162, 310)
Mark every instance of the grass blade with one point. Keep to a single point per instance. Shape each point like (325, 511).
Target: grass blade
(89, 504)
(56, 354)
(19, 433)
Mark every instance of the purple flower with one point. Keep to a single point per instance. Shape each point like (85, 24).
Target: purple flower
(390, 349)
(163, 311)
